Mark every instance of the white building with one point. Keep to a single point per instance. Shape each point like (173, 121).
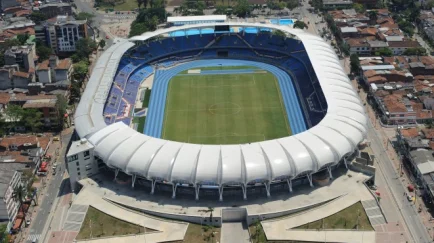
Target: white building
(64, 32)
(9, 180)
(80, 162)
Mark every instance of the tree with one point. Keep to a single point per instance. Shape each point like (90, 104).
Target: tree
(61, 106)
(22, 38)
(85, 16)
(80, 70)
(416, 51)
(355, 63)
(85, 47)
(220, 9)
(139, 3)
(43, 52)
(102, 43)
(37, 17)
(291, 4)
(300, 25)
(242, 9)
(373, 15)
(429, 4)
(32, 119)
(137, 29)
(359, 7)
(384, 51)
(18, 195)
(148, 19)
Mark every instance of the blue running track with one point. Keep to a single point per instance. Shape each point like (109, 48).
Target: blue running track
(155, 117)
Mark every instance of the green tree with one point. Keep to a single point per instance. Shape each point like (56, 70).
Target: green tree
(11, 42)
(220, 9)
(61, 106)
(359, 7)
(18, 195)
(80, 70)
(37, 17)
(85, 16)
(85, 47)
(242, 9)
(291, 4)
(416, 51)
(139, 3)
(147, 20)
(384, 51)
(429, 4)
(13, 114)
(300, 25)
(373, 15)
(32, 119)
(355, 63)
(43, 52)
(102, 43)
(22, 38)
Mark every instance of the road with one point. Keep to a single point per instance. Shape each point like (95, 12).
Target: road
(391, 178)
(38, 224)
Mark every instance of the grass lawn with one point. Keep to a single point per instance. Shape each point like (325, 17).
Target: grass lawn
(125, 5)
(141, 123)
(201, 234)
(105, 225)
(345, 219)
(225, 109)
(146, 98)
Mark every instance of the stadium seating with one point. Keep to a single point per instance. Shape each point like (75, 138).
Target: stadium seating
(285, 53)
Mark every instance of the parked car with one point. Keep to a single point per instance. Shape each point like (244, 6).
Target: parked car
(27, 222)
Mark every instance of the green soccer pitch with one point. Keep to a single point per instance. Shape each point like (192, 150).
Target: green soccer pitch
(225, 108)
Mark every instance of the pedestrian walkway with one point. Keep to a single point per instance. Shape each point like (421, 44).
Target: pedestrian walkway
(374, 213)
(75, 218)
(235, 232)
(33, 237)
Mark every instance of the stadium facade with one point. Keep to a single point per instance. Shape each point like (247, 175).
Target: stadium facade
(333, 133)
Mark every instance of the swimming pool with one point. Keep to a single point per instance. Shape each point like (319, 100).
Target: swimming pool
(282, 21)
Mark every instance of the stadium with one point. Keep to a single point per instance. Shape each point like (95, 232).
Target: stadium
(236, 109)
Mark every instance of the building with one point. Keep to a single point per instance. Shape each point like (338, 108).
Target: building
(359, 46)
(21, 55)
(399, 47)
(11, 78)
(51, 10)
(64, 32)
(10, 179)
(53, 70)
(80, 162)
(337, 4)
(167, 164)
(4, 4)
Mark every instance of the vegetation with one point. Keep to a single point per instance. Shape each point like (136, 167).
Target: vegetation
(140, 123)
(102, 43)
(353, 217)
(97, 224)
(384, 51)
(18, 195)
(359, 8)
(275, 5)
(148, 19)
(84, 47)
(223, 109)
(22, 38)
(354, 63)
(279, 33)
(80, 70)
(416, 51)
(85, 16)
(37, 17)
(201, 234)
(242, 8)
(15, 116)
(43, 51)
(300, 25)
(190, 8)
(291, 4)
(4, 236)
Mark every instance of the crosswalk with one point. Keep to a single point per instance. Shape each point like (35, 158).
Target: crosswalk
(33, 237)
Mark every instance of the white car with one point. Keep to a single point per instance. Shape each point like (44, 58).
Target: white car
(409, 198)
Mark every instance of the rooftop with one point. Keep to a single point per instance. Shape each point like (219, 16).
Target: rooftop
(40, 103)
(408, 43)
(409, 132)
(79, 146)
(19, 140)
(64, 64)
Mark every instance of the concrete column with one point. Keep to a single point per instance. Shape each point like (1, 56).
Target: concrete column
(309, 177)
(133, 181)
(116, 174)
(244, 192)
(153, 187)
(197, 189)
(174, 186)
(267, 187)
(329, 168)
(289, 181)
(345, 162)
(221, 193)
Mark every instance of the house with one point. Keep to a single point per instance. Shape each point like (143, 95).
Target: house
(359, 46)
(10, 178)
(399, 47)
(376, 45)
(337, 4)
(11, 77)
(21, 55)
(51, 10)
(54, 70)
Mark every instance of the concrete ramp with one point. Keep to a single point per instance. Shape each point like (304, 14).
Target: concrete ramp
(235, 232)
